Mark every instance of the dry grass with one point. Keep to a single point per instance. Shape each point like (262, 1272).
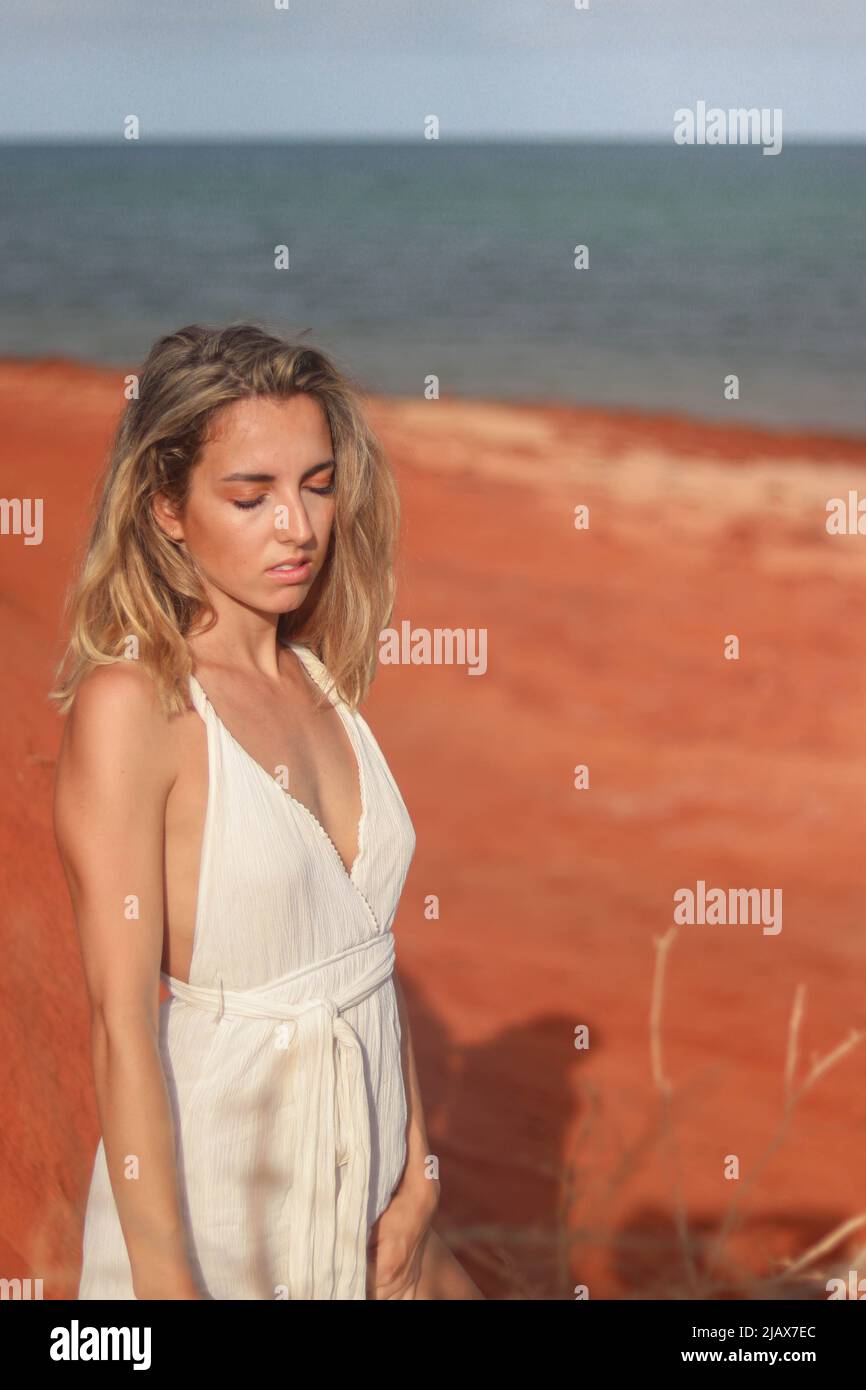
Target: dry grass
(681, 1262)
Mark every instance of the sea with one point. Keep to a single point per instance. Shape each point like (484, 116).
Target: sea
(717, 282)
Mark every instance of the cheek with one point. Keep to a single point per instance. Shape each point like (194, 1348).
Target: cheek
(226, 540)
(322, 519)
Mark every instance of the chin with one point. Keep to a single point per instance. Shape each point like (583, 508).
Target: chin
(292, 596)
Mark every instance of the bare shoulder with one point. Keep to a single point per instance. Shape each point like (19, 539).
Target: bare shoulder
(117, 741)
(115, 771)
(119, 686)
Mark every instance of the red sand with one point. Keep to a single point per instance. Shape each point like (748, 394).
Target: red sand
(604, 648)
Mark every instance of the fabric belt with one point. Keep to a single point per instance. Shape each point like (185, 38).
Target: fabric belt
(327, 1257)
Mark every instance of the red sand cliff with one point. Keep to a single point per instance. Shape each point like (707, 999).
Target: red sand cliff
(605, 648)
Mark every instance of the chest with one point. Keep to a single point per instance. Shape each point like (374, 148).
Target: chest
(308, 750)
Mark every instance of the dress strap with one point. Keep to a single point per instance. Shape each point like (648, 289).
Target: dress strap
(317, 669)
(198, 696)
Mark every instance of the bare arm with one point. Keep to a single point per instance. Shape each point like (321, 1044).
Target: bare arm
(113, 778)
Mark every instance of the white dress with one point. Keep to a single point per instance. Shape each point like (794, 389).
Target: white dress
(282, 1055)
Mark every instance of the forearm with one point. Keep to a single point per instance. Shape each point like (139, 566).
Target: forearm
(138, 1135)
(418, 1169)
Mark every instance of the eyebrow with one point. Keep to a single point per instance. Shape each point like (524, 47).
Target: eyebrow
(271, 477)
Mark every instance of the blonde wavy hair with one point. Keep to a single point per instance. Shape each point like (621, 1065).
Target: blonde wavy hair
(134, 582)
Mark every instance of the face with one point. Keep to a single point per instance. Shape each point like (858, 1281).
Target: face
(261, 502)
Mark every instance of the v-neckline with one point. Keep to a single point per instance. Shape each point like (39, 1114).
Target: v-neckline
(287, 795)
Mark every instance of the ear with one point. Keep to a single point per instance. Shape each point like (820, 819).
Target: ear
(166, 517)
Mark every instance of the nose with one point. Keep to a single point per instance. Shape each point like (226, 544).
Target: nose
(291, 522)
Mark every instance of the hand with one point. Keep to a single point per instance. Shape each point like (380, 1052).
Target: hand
(396, 1244)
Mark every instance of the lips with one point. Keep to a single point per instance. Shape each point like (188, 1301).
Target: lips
(288, 564)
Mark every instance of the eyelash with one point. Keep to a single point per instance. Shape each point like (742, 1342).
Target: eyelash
(248, 506)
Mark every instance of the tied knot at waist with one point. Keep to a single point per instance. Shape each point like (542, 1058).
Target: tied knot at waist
(323, 1003)
(330, 1128)
(253, 1004)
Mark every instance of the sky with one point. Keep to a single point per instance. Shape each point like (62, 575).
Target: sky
(368, 69)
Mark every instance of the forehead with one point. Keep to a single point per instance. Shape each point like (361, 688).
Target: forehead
(289, 430)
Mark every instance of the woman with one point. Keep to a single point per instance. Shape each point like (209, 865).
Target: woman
(228, 823)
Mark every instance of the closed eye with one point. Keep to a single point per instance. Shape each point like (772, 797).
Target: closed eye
(322, 492)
